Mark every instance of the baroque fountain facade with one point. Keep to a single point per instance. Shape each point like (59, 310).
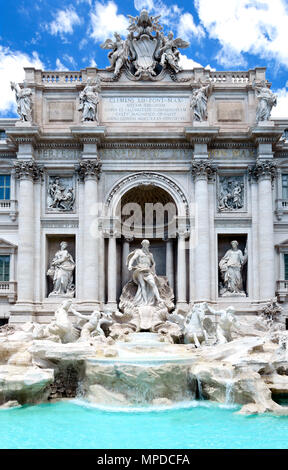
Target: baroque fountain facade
(144, 235)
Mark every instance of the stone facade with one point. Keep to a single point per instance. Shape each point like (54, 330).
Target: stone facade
(70, 176)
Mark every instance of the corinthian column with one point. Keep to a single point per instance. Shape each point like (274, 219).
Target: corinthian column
(27, 171)
(181, 268)
(202, 170)
(89, 171)
(264, 172)
(112, 270)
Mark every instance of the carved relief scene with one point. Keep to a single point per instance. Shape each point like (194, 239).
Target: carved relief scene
(60, 194)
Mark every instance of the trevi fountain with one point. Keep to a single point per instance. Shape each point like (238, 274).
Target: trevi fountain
(184, 316)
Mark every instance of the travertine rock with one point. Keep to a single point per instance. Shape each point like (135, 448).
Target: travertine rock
(140, 383)
(24, 384)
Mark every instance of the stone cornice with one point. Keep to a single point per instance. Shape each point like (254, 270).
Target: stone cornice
(203, 169)
(263, 169)
(23, 134)
(201, 135)
(144, 145)
(28, 169)
(89, 169)
(265, 134)
(88, 135)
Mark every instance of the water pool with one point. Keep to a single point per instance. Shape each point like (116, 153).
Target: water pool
(195, 425)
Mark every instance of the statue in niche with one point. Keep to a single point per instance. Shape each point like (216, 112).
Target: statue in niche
(266, 101)
(231, 194)
(60, 197)
(23, 99)
(61, 272)
(144, 276)
(119, 54)
(231, 266)
(169, 52)
(89, 99)
(199, 102)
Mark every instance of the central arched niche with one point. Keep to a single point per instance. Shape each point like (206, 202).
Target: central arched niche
(147, 211)
(154, 213)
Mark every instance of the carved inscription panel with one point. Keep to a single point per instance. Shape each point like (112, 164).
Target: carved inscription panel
(146, 109)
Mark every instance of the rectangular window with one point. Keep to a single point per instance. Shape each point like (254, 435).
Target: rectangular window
(284, 186)
(4, 268)
(286, 266)
(5, 187)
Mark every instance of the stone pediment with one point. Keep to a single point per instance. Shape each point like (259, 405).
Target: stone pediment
(7, 247)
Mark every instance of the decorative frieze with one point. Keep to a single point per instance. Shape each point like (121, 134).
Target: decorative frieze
(230, 195)
(203, 169)
(28, 169)
(60, 194)
(89, 169)
(263, 169)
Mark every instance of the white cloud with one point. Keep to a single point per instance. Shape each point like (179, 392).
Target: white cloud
(189, 64)
(105, 21)
(281, 110)
(187, 27)
(256, 27)
(228, 57)
(144, 4)
(64, 21)
(11, 69)
(59, 65)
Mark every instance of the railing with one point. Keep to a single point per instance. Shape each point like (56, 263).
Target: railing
(8, 289)
(229, 77)
(58, 78)
(281, 208)
(10, 207)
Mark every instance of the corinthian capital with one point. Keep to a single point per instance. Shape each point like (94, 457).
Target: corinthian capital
(263, 169)
(89, 169)
(203, 169)
(28, 169)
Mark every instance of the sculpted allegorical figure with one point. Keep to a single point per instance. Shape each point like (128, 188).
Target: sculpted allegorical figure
(266, 101)
(23, 99)
(231, 270)
(61, 271)
(89, 99)
(119, 54)
(60, 329)
(142, 263)
(226, 321)
(169, 52)
(93, 326)
(59, 196)
(199, 102)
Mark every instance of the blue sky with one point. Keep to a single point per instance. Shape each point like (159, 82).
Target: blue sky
(66, 35)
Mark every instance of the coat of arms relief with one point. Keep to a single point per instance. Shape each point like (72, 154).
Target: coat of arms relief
(146, 51)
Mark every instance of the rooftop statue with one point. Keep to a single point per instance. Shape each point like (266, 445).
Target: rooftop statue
(146, 51)
(23, 99)
(89, 100)
(199, 101)
(266, 101)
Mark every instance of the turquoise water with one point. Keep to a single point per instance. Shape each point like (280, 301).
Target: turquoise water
(195, 425)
